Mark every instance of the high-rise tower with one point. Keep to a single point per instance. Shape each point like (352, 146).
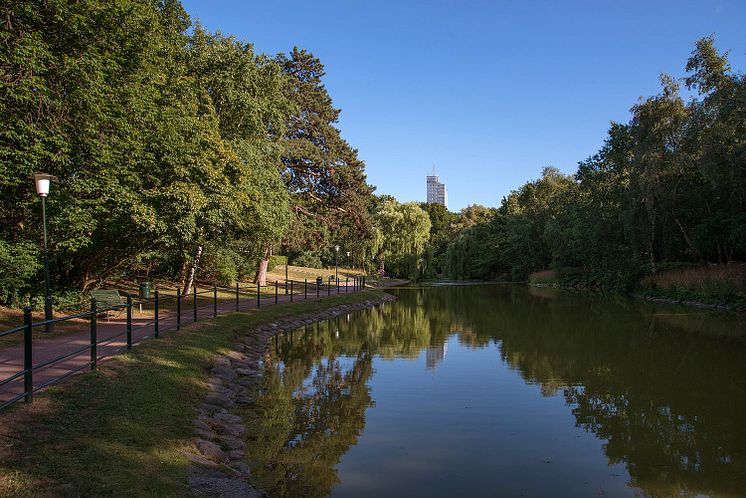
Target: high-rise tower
(436, 191)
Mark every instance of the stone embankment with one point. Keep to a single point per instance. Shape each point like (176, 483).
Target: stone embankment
(219, 466)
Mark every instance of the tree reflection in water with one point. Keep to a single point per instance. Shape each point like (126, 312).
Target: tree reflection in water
(668, 403)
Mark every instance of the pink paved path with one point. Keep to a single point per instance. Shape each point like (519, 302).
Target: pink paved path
(11, 358)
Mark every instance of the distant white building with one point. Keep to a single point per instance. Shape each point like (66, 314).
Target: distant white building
(436, 191)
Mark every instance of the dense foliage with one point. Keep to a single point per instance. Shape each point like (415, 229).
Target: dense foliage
(177, 150)
(668, 186)
(185, 154)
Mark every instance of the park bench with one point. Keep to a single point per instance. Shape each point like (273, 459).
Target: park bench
(106, 298)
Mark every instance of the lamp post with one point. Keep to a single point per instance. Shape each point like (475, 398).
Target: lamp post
(43, 182)
(349, 264)
(336, 271)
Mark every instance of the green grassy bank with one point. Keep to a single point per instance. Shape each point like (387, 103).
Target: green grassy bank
(122, 430)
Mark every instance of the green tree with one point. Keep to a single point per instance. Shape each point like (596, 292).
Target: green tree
(401, 234)
(440, 224)
(329, 193)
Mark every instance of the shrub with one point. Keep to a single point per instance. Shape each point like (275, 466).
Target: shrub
(308, 259)
(275, 261)
(19, 264)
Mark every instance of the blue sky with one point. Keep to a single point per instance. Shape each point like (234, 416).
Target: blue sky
(489, 92)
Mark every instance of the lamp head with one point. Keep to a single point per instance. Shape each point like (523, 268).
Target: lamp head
(336, 248)
(43, 182)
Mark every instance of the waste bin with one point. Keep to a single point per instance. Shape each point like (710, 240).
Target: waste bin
(145, 290)
(319, 281)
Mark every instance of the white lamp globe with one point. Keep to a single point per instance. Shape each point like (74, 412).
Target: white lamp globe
(43, 182)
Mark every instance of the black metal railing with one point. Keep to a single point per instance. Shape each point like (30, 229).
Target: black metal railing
(99, 348)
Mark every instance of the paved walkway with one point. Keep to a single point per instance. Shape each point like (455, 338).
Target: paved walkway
(77, 344)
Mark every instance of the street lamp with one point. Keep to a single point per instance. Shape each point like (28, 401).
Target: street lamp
(349, 264)
(336, 271)
(43, 182)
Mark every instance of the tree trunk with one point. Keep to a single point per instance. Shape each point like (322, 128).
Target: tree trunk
(189, 282)
(651, 240)
(261, 273)
(688, 240)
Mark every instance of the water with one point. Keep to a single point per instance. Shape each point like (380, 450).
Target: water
(506, 391)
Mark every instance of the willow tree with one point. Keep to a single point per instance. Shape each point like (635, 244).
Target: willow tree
(401, 233)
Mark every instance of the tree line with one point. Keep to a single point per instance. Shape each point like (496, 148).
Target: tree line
(185, 154)
(668, 186)
(178, 151)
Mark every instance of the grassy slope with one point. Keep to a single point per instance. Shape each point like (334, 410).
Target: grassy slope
(122, 430)
(298, 273)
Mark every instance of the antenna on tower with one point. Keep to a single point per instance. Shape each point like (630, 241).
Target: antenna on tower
(433, 169)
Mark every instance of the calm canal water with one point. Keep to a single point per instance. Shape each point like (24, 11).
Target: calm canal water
(494, 390)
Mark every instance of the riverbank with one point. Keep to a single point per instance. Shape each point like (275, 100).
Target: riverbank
(660, 297)
(719, 287)
(220, 463)
(129, 425)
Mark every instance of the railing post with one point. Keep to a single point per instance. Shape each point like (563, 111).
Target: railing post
(337, 285)
(318, 288)
(277, 286)
(155, 313)
(28, 358)
(214, 301)
(305, 289)
(291, 290)
(129, 321)
(258, 295)
(347, 283)
(329, 287)
(94, 334)
(178, 309)
(236, 296)
(194, 299)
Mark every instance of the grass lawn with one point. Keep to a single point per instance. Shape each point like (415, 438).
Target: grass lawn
(122, 430)
(298, 273)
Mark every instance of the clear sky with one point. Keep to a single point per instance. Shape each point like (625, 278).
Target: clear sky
(488, 91)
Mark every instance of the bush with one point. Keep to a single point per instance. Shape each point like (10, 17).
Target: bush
(275, 261)
(308, 259)
(220, 265)
(19, 264)
(64, 300)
